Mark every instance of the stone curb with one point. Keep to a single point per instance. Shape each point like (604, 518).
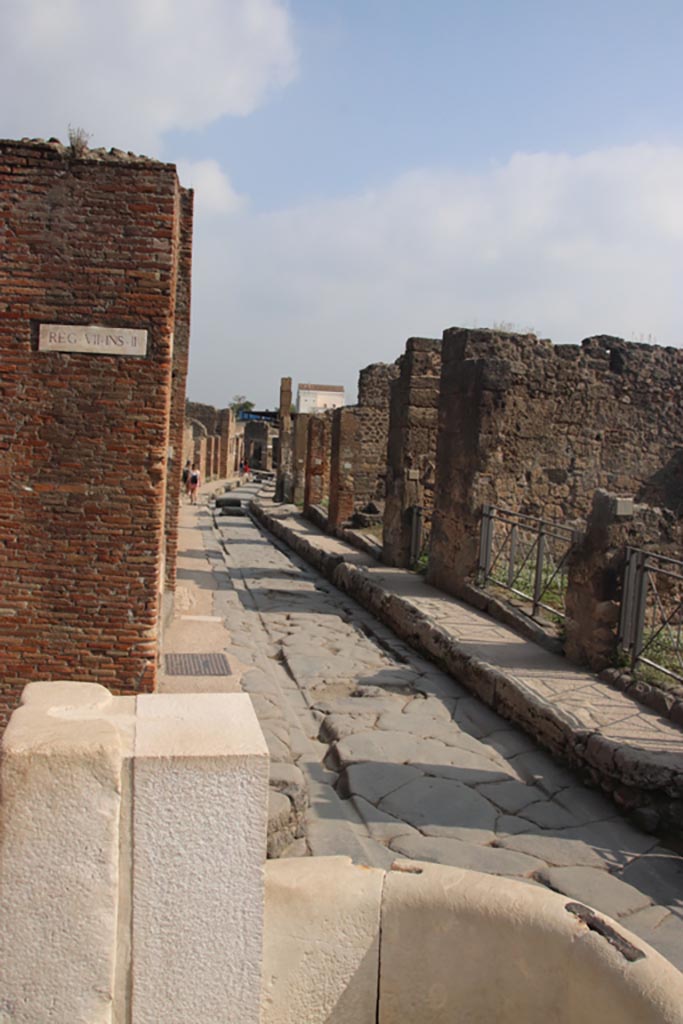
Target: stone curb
(634, 779)
(289, 798)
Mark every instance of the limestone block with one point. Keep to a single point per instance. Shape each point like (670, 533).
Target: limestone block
(457, 944)
(321, 942)
(199, 820)
(62, 778)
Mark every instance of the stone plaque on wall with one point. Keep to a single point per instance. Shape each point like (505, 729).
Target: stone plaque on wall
(97, 340)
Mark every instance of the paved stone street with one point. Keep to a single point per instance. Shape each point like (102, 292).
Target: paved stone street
(398, 758)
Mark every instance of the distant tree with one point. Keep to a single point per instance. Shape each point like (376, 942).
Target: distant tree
(240, 403)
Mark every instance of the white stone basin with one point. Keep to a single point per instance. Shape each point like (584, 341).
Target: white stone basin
(440, 945)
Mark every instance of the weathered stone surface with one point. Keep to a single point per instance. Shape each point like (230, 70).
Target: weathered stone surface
(62, 781)
(374, 780)
(439, 807)
(595, 888)
(200, 767)
(660, 874)
(510, 796)
(554, 850)
(501, 933)
(549, 814)
(461, 854)
(320, 957)
(381, 826)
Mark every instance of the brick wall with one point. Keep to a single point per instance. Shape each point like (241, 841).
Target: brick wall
(537, 428)
(101, 240)
(411, 449)
(181, 349)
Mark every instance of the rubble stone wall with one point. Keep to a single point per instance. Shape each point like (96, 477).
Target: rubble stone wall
(537, 428)
(92, 442)
(370, 458)
(411, 449)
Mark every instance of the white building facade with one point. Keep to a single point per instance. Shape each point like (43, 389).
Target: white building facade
(318, 397)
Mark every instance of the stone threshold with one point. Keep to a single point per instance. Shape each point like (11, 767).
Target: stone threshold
(636, 757)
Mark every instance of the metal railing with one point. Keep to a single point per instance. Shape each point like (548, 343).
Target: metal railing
(416, 513)
(651, 623)
(527, 556)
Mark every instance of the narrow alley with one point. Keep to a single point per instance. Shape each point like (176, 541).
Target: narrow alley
(378, 754)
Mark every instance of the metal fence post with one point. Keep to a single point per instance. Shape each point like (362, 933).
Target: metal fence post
(485, 539)
(641, 586)
(415, 533)
(512, 556)
(538, 577)
(625, 636)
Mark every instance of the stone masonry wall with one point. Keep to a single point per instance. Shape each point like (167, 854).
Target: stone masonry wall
(411, 450)
(370, 460)
(220, 427)
(283, 486)
(318, 457)
(359, 445)
(299, 456)
(98, 240)
(537, 428)
(343, 461)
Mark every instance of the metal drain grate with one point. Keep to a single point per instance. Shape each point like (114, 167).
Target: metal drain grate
(196, 665)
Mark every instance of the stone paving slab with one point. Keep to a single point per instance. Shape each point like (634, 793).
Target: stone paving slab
(427, 802)
(627, 748)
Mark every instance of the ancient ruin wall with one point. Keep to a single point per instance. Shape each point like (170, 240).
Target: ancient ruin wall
(284, 481)
(370, 457)
(98, 240)
(299, 456)
(411, 450)
(343, 463)
(318, 456)
(181, 350)
(537, 428)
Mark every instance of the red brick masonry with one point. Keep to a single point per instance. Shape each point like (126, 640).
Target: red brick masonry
(89, 441)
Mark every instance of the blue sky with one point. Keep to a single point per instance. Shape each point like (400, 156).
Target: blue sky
(370, 170)
(384, 86)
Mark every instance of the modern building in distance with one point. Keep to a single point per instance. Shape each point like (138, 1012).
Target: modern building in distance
(318, 397)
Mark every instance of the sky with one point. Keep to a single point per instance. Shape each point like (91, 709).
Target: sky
(370, 170)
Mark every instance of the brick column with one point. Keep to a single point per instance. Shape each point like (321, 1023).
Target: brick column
(318, 455)
(345, 432)
(283, 487)
(225, 431)
(299, 457)
(411, 455)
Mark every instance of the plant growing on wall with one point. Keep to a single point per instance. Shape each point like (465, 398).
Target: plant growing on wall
(78, 141)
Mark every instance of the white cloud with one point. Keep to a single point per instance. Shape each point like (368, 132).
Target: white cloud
(214, 193)
(570, 246)
(131, 70)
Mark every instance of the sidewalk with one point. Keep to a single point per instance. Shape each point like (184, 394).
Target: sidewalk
(215, 643)
(198, 629)
(627, 749)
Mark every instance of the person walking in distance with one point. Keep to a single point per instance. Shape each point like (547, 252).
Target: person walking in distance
(186, 477)
(195, 479)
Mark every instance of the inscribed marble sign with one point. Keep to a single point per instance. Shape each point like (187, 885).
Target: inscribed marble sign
(103, 341)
